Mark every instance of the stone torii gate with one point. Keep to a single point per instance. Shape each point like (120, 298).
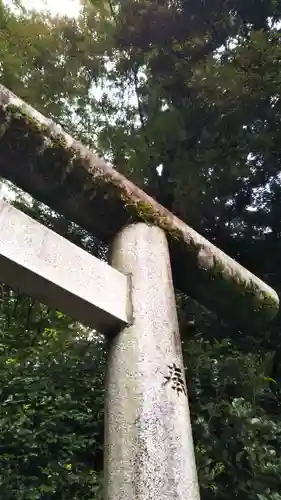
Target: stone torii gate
(148, 443)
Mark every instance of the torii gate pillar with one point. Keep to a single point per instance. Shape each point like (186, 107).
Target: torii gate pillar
(148, 444)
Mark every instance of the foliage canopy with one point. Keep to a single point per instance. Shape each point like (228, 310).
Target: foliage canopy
(190, 89)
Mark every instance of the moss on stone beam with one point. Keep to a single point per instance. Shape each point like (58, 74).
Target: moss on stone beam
(40, 158)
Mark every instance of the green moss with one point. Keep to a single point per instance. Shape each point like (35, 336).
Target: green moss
(140, 211)
(175, 234)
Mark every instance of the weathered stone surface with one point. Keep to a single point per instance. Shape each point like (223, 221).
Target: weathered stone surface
(149, 451)
(39, 262)
(44, 161)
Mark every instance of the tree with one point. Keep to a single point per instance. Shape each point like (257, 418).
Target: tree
(50, 427)
(207, 78)
(51, 423)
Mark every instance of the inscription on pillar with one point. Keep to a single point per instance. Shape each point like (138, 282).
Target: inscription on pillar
(176, 379)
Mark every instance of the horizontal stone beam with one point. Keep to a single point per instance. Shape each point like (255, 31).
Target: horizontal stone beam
(40, 158)
(36, 261)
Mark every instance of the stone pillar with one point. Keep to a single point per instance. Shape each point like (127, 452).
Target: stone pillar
(149, 451)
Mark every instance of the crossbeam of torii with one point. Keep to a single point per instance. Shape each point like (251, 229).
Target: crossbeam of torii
(149, 450)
